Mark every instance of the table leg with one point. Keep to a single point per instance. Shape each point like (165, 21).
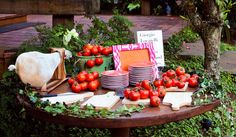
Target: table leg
(120, 132)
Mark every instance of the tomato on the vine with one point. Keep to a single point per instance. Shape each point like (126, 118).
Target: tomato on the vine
(134, 96)
(146, 84)
(71, 81)
(76, 87)
(155, 101)
(192, 82)
(180, 70)
(127, 92)
(144, 94)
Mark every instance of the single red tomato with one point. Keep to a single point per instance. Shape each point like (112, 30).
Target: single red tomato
(110, 50)
(192, 82)
(127, 92)
(84, 85)
(153, 93)
(86, 52)
(89, 77)
(144, 94)
(180, 84)
(94, 51)
(158, 83)
(76, 87)
(167, 83)
(105, 51)
(155, 101)
(93, 85)
(100, 48)
(88, 46)
(138, 84)
(182, 78)
(164, 74)
(161, 92)
(134, 96)
(98, 61)
(171, 73)
(195, 76)
(146, 84)
(81, 77)
(97, 82)
(83, 72)
(180, 70)
(174, 82)
(90, 63)
(79, 54)
(187, 76)
(95, 74)
(71, 81)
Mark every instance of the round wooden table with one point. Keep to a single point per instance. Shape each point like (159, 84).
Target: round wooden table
(120, 126)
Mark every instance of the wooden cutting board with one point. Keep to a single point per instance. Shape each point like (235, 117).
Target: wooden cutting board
(145, 102)
(106, 101)
(177, 99)
(68, 98)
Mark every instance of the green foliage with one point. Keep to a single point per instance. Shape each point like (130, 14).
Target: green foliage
(226, 47)
(134, 5)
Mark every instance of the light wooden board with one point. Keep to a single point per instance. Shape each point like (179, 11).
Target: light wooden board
(178, 89)
(68, 98)
(177, 99)
(145, 102)
(106, 101)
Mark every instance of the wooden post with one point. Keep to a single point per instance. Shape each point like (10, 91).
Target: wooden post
(145, 7)
(120, 132)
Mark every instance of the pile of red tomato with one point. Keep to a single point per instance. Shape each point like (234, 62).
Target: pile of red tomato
(84, 81)
(177, 78)
(144, 90)
(94, 50)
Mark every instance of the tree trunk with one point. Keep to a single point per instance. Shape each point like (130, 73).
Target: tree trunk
(211, 36)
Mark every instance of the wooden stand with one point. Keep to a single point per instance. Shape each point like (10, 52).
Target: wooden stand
(59, 75)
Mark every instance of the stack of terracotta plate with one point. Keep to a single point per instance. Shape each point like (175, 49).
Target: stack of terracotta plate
(114, 79)
(141, 71)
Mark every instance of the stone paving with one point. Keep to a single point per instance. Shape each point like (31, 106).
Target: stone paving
(169, 26)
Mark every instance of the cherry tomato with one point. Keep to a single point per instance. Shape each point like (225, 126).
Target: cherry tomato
(192, 82)
(161, 92)
(180, 71)
(100, 48)
(79, 54)
(76, 87)
(171, 73)
(153, 93)
(110, 50)
(127, 92)
(167, 83)
(195, 76)
(93, 85)
(158, 83)
(182, 78)
(89, 77)
(90, 63)
(94, 51)
(86, 52)
(98, 61)
(84, 85)
(134, 96)
(144, 94)
(105, 51)
(146, 84)
(81, 77)
(180, 84)
(155, 101)
(95, 74)
(88, 46)
(71, 81)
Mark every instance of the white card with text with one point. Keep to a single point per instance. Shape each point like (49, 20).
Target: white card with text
(156, 37)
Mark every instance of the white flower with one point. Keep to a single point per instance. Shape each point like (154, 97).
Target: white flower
(74, 33)
(11, 67)
(68, 54)
(68, 35)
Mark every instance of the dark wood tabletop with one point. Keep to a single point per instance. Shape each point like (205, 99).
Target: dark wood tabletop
(150, 116)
